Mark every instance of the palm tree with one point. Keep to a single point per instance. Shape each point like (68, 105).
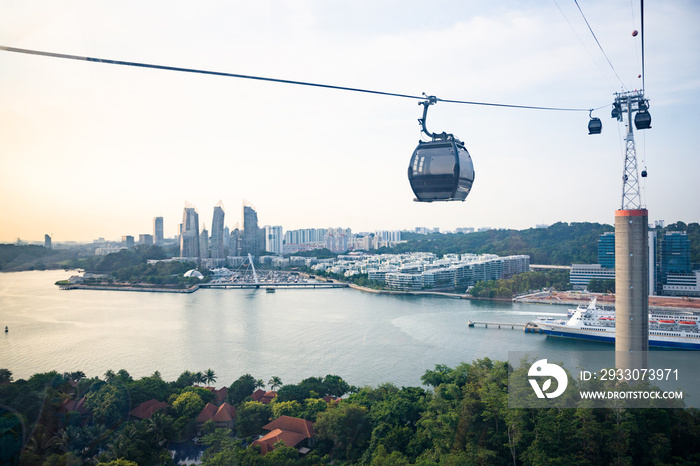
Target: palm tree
(259, 383)
(198, 378)
(275, 382)
(209, 376)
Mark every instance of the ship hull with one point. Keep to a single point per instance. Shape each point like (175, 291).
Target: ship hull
(685, 343)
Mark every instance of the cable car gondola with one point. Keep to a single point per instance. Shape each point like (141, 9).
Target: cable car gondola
(440, 169)
(642, 120)
(595, 126)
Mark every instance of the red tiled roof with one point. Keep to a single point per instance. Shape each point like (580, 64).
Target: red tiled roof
(292, 424)
(146, 409)
(267, 443)
(207, 413)
(257, 395)
(268, 397)
(220, 395)
(70, 405)
(225, 413)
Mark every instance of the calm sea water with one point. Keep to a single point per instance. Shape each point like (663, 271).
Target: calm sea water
(365, 338)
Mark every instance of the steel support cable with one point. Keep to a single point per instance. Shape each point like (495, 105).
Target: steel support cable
(641, 27)
(599, 46)
(275, 80)
(607, 78)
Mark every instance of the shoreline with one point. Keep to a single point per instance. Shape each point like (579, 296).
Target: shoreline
(136, 288)
(657, 303)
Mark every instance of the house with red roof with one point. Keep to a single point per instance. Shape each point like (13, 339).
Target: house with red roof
(293, 431)
(70, 405)
(263, 396)
(224, 416)
(146, 409)
(220, 395)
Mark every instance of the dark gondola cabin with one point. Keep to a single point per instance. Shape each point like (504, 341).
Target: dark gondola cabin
(595, 126)
(441, 170)
(642, 120)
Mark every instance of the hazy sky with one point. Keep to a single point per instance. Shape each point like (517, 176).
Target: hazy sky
(93, 150)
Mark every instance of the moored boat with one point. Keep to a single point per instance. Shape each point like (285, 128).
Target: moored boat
(666, 330)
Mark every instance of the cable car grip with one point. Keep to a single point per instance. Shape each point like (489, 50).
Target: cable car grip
(427, 103)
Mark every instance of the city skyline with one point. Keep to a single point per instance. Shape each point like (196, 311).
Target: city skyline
(93, 150)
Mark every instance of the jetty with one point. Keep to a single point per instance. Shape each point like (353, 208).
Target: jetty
(529, 327)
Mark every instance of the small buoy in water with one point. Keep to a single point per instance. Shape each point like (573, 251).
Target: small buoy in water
(634, 33)
(6, 329)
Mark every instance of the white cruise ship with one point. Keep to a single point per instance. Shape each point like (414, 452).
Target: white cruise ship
(666, 329)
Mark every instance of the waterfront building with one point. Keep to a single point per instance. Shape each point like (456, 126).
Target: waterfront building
(606, 250)
(675, 252)
(422, 271)
(653, 269)
(581, 275)
(217, 232)
(676, 276)
(274, 240)
(189, 233)
(47, 241)
(682, 284)
(404, 281)
(158, 231)
(146, 239)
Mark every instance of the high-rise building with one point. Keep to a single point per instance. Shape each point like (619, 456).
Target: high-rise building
(47, 241)
(606, 250)
(674, 250)
(128, 241)
(146, 239)
(204, 243)
(273, 239)
(252, 235)
(189, 233)
(217, 232)
(158, 231)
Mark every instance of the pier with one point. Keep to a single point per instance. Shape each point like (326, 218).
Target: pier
(529, 327)
(274, 285)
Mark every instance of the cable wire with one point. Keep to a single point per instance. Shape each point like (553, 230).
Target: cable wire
(601, 47)
(275, 80)
(607, 77)
(641, 2)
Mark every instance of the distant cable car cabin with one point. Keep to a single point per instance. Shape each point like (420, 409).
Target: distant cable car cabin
(595, 126)
(440, 169)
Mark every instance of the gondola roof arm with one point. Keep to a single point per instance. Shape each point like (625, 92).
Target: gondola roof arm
(427, 103)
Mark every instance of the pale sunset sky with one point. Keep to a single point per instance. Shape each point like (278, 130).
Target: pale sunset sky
(92, 150)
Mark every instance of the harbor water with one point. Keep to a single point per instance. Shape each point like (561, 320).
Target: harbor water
(365, 338)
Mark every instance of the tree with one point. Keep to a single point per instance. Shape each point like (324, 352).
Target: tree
(347, 427)
(109, 405)
(244, 386)
(274, 382)
(209, 377)
(286, 408)
(188, 404)
(5, 376)
(251, 416)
